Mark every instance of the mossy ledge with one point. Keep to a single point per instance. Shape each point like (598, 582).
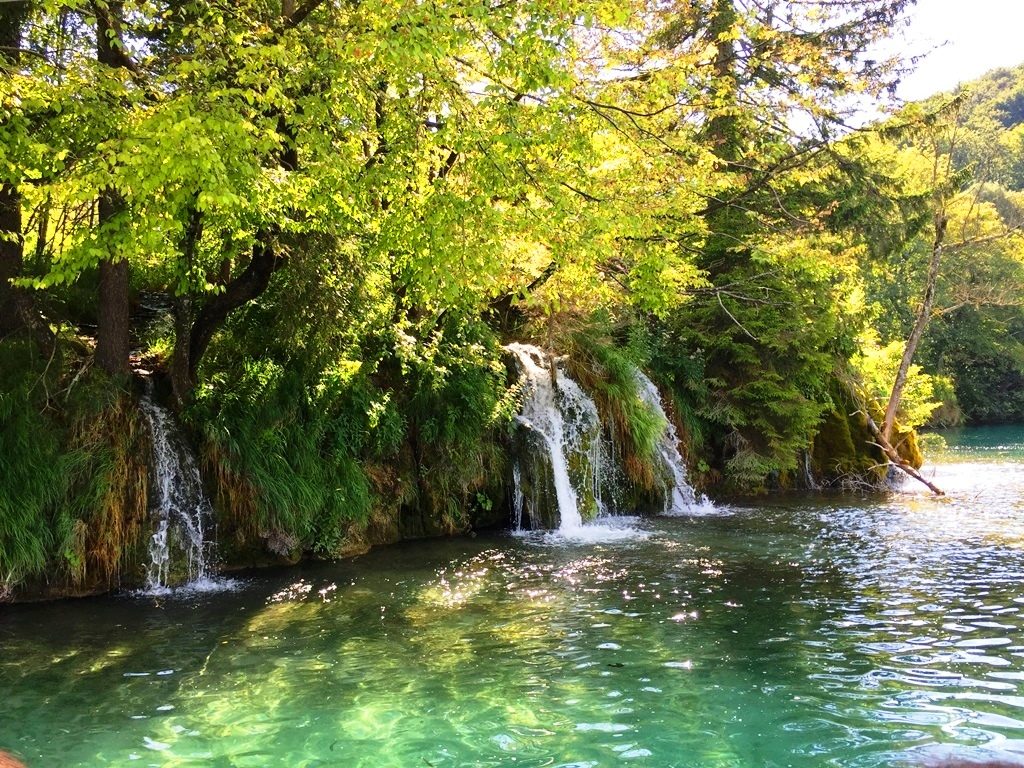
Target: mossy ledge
(299, 470)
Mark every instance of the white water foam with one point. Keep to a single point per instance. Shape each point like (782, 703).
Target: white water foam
(604, 530)
(205, 586)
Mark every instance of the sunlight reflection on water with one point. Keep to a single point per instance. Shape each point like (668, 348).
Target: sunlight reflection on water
(833, 631)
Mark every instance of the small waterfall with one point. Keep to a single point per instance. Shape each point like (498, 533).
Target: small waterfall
(559, 412)
(179, 503)
(680, 498)
(808, 473)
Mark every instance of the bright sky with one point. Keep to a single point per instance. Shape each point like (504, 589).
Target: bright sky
(973, 36)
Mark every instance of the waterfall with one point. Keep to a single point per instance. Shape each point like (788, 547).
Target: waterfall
(560, 413)
(808, 471)
(568, 457)
(680, 498)
(179, 504)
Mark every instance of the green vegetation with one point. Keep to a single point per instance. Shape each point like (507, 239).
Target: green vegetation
(317, 223)
(74, 475)
(607, 370)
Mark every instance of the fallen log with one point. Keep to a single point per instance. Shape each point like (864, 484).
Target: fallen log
(894, 458)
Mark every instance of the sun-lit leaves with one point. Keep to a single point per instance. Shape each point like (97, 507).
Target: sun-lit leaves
(668, 164)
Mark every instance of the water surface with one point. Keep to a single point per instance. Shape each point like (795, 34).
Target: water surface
(805, 631)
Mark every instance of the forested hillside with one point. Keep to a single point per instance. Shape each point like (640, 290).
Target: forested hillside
(977, 336)
(312, 225)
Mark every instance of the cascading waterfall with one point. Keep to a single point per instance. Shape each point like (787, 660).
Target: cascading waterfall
(180, 506)
(568, 458)
(558, 411)
(680, 498)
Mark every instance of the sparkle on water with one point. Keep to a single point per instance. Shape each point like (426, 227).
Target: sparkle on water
(805, 631)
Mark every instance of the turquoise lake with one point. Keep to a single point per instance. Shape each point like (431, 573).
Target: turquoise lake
(800, 630)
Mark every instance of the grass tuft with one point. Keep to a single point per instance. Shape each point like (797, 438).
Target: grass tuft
(73, 479)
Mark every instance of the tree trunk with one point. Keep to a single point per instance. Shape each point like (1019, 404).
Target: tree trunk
(182, 376)
(10, 258)
(723, 128)
(17, 309)
(112, 335)
(894, 457)
(11, 17)
(883, 435)
(194, 328)
(252, 282)
(182, 381)
(923, 316)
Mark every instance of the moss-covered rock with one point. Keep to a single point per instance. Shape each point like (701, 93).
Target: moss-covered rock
(907, 446)
(843, 450)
